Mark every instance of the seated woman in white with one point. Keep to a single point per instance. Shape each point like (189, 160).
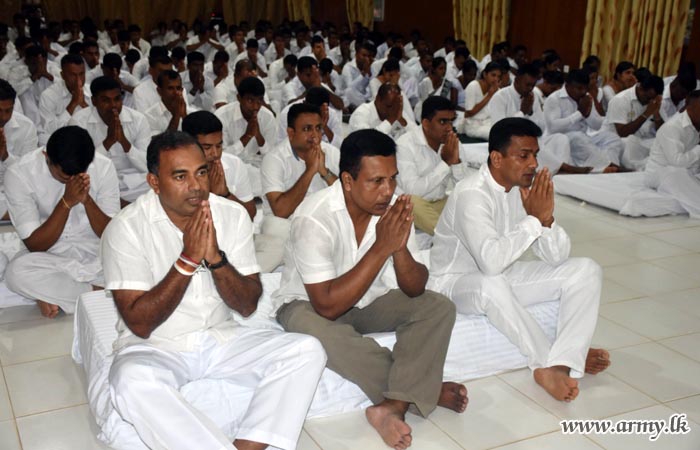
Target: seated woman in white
(436, 84)
(623, 79)
(477, 120)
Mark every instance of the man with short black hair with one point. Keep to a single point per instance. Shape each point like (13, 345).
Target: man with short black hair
(673, 97)
(356, 76)
(332, 118)
(491, 219)
(307, 76)
(64, 98)
(350, 269)
(146, 93)
(168, 113)
(385, 113)
(180, 265)
(252, 55)
(198, 88)
(118, 132)
(112, 68)
(60, 200)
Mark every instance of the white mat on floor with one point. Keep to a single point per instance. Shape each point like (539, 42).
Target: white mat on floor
(10, 244)
(476, 350)
(623, 192)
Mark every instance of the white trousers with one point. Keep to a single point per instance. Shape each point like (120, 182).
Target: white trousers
(282, 368)
(554, 151)
(679, 183)
(54, 279)
(636, 152)
(477, 128)
(576, 283)
(597, 151)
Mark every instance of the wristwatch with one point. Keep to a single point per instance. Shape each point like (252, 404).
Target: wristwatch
(328, 176)
(218, 265)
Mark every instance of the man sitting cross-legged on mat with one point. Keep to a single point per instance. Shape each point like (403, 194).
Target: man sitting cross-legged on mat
(350, 270)
(490, 220)
(178, 261)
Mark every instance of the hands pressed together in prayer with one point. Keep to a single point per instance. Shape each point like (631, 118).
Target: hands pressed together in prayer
(77, 189)
(538, 199)
(217, 179)
(199, 236)
(450, 151)
(394, 227)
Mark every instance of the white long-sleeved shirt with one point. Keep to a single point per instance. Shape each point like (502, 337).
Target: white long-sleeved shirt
(422, 171)
(335, 123)
(624, 108)
(366, 116)
(485, 229)
(203, 101)
(52, 108)
(235, 125)
(676, 145)
(159, 118)
(562, 115)
(506, 103)
(668, 108)
(473, 95)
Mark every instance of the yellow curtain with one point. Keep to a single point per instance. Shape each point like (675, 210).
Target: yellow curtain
(648, 33)
(299, 10)
(360, 11)
(253, 10)
(481, 23)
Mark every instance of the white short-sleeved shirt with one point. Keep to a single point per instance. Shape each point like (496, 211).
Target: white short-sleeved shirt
(282, 168)
(159, 118)
(668, 108)
(624, 108)
(422, 171)
(20, 135)
(33, 193)
(322, 247)
(335, 121)
(145, 95)
(141, 244)
(675, 145)
(237, 179)
(201, 100)
(562, 115)
(485, 229)
(366, 116)
(52, 108)
(234, 128)
(507, 102)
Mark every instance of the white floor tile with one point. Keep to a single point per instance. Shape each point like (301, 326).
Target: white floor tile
(609, 335)
(553, 441)
(646, 277)
(688, 345)
(690, 441)
(657, 371)
(45, 385)
(689, 406)
(306, 443)
(686, 265)
(651, 318)
(5, 407)
(19, 314)
(600, 253)
(687, 301)
(646, 225)
(615, 292)
(600, 396)
(592, 230)
(687, 237)
(352, 431)
(34, 340)
(497, 415)
(641, 247)
(8, 436)
(64, 429)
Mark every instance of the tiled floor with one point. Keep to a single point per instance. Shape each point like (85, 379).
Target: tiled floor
(649, 319)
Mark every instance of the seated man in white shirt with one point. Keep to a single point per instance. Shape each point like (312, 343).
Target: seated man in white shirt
(552, 80)
(237, 45)
(118, 132)
(517, 100)
(570, 111)
(673, 97)
(249, 129)
(136, 41)
(204, 41)
(64, 98)
(146, 94)
(385, 113)
(350, 269)
(179, 262)
(331, 118)
(251, 54)
(429, 162)
(91, 55)
(490, 220)
(299, 165)
(635, 115)
(60, 200)
(31, 78)
(168, 113)
(112, 68)
(673, 167)
(307, 76)
(356, 76)
(17, 137)
(198, 88)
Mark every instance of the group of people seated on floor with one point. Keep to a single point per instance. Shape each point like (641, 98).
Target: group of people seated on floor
(155, 202)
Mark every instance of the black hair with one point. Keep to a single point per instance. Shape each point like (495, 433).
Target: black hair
(317, 40)
(158, 57)
(591, 59)
(317, 96)
(7, 92)
(133, 28)
(251, 86)
(132, 56)
(179, 53)
(169, 140)
(503, 130)
(123, 36)
(112, 61)
(76, 48)
(195, 57)
(433, 104)
(386, 88)
(623, 66)
(242, 64)
(578, 76)
(470, 64)
(551, 58)
(251, 43)
(34, 51)
(395, 52)
(390, 65)
(361, 143)
(653, 82)
(201, 122)
(166, 75)
(687, 81)
(102, 84)
(369, 47)
(462, 51)
(306, 62)
(71, 59)
(438, 61)
(221, 55)
(325, 66)
(695, 95)
(528, 69)
(71, 148)
(290, 60)
(555, 77)
(490, 67)
(90, 43)
(298, 109)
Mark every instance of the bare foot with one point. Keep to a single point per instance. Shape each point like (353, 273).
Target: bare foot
(47, 309)
(453, 396)
(597, 360)
(388, 420)
(611, 169)
(569, 169)
(557, 382)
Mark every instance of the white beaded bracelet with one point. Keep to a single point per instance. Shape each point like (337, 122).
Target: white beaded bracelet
(183, 271)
